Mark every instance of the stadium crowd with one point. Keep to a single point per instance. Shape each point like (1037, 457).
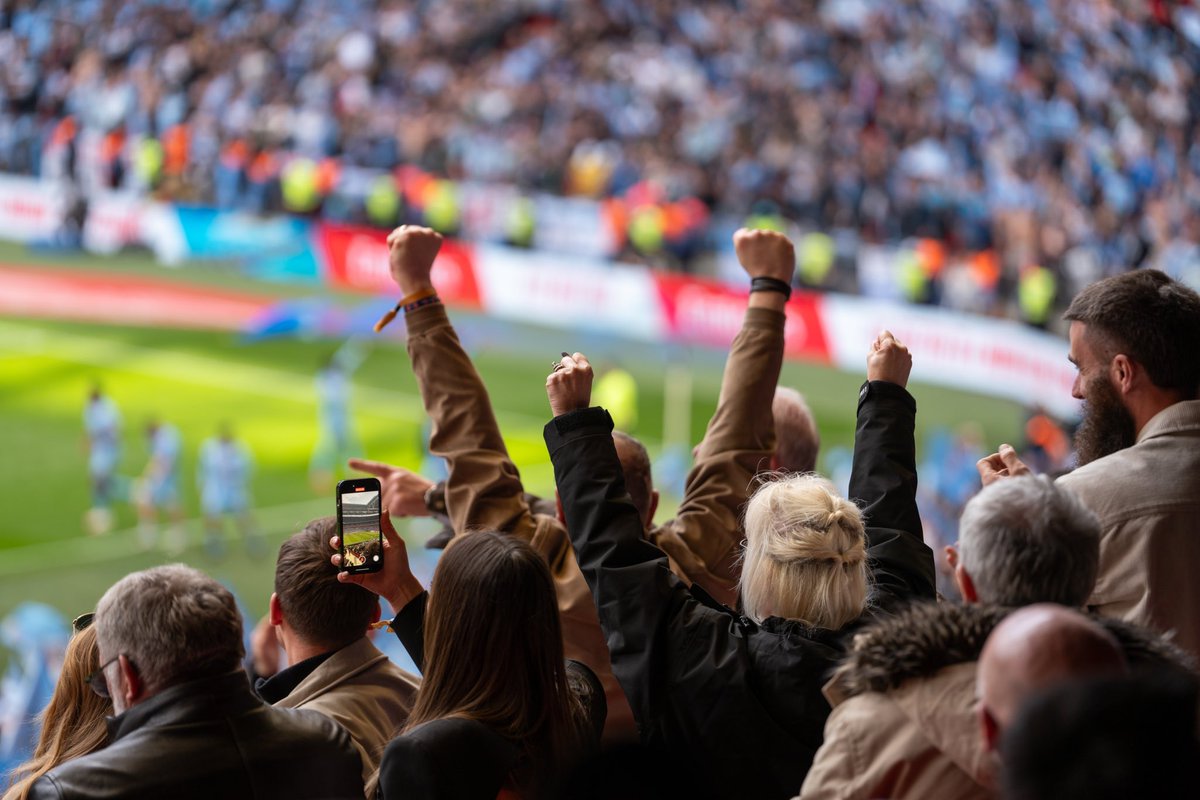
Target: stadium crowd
(773, 640)
(1007, 136)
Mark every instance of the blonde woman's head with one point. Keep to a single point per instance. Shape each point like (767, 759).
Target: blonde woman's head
(806, 554)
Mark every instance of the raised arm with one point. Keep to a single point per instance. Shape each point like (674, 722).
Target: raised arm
(646, 612)
(395, 583)
(883, 480)
(483, 490)
(703, 540)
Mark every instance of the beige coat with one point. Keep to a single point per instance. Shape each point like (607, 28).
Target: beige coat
(904, 721)
(1148, 499)
(920, 740)
(365, 693)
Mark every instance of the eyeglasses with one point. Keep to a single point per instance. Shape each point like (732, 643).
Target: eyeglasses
(96, 679)
(82, 621)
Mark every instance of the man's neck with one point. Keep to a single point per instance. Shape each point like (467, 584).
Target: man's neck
(1145, 406)
(298, 650)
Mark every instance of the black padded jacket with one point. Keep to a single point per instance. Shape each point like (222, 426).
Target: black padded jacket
(739, 703)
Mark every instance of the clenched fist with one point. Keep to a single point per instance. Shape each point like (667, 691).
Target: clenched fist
(888, 360)
(411, 252)
(765, 254)
(569, 386)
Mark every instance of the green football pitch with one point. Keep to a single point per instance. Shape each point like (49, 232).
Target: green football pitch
(264, 389)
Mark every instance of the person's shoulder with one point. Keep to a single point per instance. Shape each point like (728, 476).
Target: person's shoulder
(306, 725)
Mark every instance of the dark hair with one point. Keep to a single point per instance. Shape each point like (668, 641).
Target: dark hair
(321, 610)
(1150, 318)
(494, 653)
(1104, 739)
(635, 463)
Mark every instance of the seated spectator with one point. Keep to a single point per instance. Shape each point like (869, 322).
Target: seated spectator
(495, 710)
(322, 624)
(187, 723)
(484, 491)
(1032, 649)
(904, 722)
(1108, 738)
(737, 699)
(73, 721)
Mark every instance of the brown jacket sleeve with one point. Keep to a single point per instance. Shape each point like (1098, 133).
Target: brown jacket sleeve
(703, 540)
(483, 489)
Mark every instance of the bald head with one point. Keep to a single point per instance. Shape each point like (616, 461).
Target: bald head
(1034, 648)
(796, 437)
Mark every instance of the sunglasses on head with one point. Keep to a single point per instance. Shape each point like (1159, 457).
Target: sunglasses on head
(82, 621)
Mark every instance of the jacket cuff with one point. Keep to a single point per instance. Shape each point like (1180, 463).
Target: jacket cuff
(426, 318)
(767, 319)
(574, 424)
(887, 392)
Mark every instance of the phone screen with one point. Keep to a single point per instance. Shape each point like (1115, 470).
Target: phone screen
(358, 523)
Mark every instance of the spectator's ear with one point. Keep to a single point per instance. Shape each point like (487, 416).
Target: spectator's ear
(649, 520)
(966, 586)
(275, 610)
(1124, 373)
(131, 687)
(988, 729)
(558, 504)
(377, 614)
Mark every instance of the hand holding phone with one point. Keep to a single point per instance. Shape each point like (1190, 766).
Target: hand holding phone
(359, 528)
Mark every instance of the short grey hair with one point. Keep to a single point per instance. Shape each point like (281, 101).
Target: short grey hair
(173, 622)
(797, 439)
(1027, 540)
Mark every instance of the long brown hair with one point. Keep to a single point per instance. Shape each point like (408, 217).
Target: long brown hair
(73, 720)
(494, 653)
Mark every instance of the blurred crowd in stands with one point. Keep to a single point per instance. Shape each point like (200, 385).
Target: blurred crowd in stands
(1016, 150)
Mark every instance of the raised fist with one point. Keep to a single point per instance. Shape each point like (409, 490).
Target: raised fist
(765, 254)
(569, 386)
(411, 252)
(888, 360)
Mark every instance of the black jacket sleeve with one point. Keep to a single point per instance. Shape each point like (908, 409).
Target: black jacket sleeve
(653, 625)
(409, 627)
(883, 481)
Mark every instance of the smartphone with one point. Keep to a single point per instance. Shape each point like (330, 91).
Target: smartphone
(358, 525)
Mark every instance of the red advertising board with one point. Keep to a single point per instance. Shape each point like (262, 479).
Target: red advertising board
(357, 259)
(708, 312)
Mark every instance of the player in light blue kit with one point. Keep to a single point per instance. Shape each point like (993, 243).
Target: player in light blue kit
(224, 477)
(102, 425)
(335, 435)
(158, 488)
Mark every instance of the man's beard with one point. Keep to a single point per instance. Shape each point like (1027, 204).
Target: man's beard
(1107, 425)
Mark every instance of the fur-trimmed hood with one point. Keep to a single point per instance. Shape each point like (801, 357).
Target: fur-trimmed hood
(925, 638)
(914, 643)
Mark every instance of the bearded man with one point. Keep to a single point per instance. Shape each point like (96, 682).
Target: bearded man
(1135, 340)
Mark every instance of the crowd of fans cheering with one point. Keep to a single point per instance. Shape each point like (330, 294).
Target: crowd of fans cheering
(774, 639)
(1013, 134)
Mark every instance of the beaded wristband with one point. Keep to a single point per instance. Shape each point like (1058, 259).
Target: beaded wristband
(424, 301)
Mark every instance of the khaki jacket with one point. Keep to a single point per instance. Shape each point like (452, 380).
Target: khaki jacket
(918, 741)
(484, 491)
(1148, 499)
(904, 722)
(365, 693)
